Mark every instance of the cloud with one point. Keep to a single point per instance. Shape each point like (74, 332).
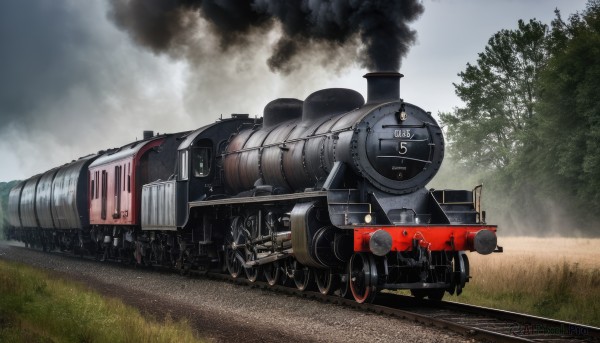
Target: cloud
(73, 84)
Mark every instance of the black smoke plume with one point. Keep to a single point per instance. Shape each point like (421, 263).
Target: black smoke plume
(377, 29)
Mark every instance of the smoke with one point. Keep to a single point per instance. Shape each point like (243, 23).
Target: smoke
(373, 33)
(73, 84)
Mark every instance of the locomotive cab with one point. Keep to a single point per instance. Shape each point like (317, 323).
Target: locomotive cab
(197, 176)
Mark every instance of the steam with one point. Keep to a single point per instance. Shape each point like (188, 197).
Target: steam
(517, 212)
(373, 33)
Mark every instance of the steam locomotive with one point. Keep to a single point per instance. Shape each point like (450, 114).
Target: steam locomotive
(327, 192)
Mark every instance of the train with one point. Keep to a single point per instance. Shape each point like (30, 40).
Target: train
(328, 194)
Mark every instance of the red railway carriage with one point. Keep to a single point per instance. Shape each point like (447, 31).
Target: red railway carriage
(116, 178)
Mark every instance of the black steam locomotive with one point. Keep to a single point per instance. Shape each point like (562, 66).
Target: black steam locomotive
(327, 191)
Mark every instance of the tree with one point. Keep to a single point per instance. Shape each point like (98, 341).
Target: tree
(499, 93)
(566, 144)
(531, 120)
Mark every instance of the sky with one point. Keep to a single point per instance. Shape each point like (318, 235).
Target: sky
(72, 83)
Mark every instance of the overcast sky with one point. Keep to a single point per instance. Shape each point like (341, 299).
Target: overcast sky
(72, 83)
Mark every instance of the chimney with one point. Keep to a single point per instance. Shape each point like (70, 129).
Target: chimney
(148, 134)
(383, 86)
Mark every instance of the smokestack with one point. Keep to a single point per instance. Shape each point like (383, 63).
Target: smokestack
(383, 86)
(148, 134)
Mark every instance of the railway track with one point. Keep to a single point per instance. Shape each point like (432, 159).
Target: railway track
(480, 323)
(476, 322)
(497, 325)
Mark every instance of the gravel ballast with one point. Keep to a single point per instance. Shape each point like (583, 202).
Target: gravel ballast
(225, 312)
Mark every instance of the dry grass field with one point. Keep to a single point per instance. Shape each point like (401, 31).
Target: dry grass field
(550, 277)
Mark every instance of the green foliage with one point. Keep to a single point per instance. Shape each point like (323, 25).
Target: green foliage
(37, 308)
(566, 146)
(499, 93)
(530, 127)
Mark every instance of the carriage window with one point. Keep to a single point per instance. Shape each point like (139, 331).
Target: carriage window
(129, 177)
(201, 162)
(104, 194)
(117, 204)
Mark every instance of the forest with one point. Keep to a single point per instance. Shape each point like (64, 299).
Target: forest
(529, 129)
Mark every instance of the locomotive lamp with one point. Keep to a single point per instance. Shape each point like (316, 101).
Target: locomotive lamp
(402, 116)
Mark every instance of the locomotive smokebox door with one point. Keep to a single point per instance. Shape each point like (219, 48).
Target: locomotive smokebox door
(398, 157)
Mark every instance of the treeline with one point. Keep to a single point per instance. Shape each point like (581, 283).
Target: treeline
(530, 127)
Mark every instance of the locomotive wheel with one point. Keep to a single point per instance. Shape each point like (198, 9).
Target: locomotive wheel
(363, 277)
(232, 259)
(302, 276)
(253, 272)
(345, 287)
(327, 281)
(272, 273)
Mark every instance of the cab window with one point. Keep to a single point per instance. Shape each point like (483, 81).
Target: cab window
(183, 165)
(201, 161)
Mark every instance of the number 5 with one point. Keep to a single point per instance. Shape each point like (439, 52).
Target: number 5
(403, 149)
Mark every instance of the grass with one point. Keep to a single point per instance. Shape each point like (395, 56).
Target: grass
(550, 277)
(36, 307)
